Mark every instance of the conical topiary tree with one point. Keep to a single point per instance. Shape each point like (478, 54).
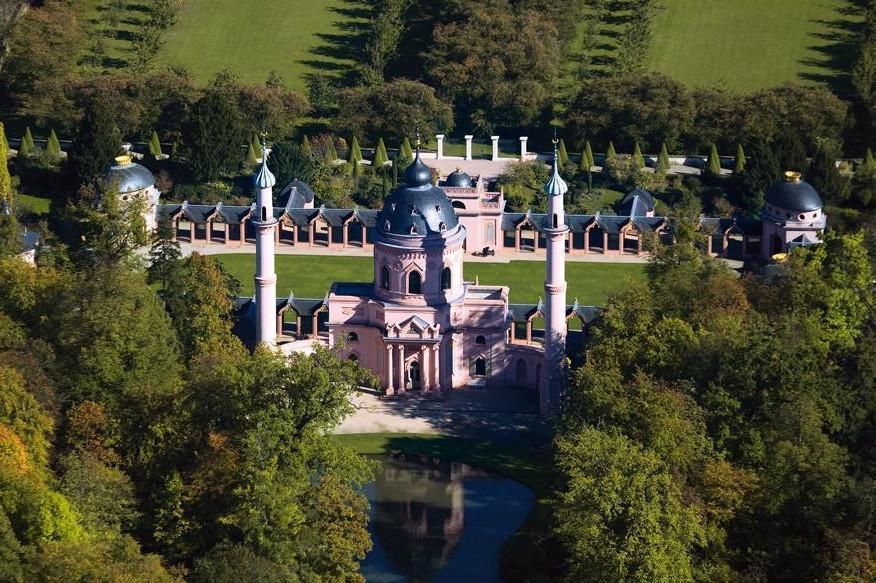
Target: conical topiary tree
(251, 158)
(662, 160)
(869, 161)
(638, 158)
(739, 162)
(155, 146)
(256, 145)
(306, 148)
(713, 163)
(380, 157)
(5, 178)
(331, 153)
(610, 152)
(53, 146)
(355, 150)
(406, 150)
(561, 151)
(27, 147)
(588, 151)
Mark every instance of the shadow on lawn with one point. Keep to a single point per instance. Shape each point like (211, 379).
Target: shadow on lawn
(836, 57)
(339, 52)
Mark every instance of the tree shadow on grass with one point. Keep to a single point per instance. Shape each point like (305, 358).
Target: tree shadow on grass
(835, 57)
(340, 51)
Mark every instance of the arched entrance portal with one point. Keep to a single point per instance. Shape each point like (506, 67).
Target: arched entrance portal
(776, 245)
(414, 377)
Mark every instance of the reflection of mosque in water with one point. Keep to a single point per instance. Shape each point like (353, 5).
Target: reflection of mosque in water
(419, 512)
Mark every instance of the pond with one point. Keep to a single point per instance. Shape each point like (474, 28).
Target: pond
(433, 520)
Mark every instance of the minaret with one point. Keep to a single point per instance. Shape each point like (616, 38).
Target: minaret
(556, 232)
(265, 275)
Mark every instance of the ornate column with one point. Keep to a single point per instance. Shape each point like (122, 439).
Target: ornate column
(208, 229)
(390, 384)
(604, 242)
(639, 244)
(315, 325)
(513, 331)
(523, 140)
(426, 368)
(279, 324)
(440, 139)
(175, 224)
(265, 273)
(468, 140)
(529, 331)
(401, 381)
(587, 241)
(517, 240)
(495, 140)
(192, 231)
(346, 232)
(436, 371)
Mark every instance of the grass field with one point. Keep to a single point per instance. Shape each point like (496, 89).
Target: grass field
(311, 276)
(292, 37)
(745, 44)
(35, 205)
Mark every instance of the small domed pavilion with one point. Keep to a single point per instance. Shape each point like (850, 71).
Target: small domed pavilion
(792, 216)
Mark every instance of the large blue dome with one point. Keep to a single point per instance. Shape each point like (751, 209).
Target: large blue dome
(417, 208)
(125, 176)
(794, 194)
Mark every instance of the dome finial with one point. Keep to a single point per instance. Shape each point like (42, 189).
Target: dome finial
(556, 186)
(264, 178)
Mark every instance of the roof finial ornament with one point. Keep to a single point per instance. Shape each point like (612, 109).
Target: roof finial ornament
(556, 185)
(417, 137)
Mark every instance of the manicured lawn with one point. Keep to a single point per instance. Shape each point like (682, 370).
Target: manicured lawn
(310, 276)
(37, 205)
(292, 37)
(743, 44)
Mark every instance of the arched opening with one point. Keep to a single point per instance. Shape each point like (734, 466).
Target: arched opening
(264, 214)
(415, 283)
(384, 277)
(776, 245)
(414, 375)
(480, 367)
(521, 371)
(353, 358)
(445, 278)
(352, 337)
(480, 340)
(555, 220)
(458, 205)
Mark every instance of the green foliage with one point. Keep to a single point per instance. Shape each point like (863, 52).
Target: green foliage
(869, 160)
(790, 152)
(289, 161)
(380, 155)
(825, 177)
(213, 135)
(22, 414)
(53, 146)
(610, 151)
(155, 146)
(587, 161)
(251, 159)
(638, 159)
(564, 155)
(620, 512)
(26, 146)
(739, 161)
(305, 146)
(256, 145)
(97, 141)
(355, 151)
(103, 495)
(713, 162)
(5, 178)
(406, 150)
(761, 170)
(663, 159)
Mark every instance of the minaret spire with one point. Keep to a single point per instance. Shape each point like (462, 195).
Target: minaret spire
(556, 232)
(265, 276)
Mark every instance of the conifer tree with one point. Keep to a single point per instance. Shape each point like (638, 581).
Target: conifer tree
(564, 155)
(53, 146)
(638, 158)
(663, 160)
(5, 178)
(97, 141)
(251, 158)
(406, 150)
(380, 156)
(256, 145)
(610, 152)
(27, 147)
(331, 153)
(155, 146)
(305, 146)
(713, 163)
(869, 160)
(739, 162)
(591, 161)
(355, 150)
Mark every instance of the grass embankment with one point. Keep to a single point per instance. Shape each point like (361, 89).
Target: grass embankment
(311, 276)
(292, 37)
(521, 557)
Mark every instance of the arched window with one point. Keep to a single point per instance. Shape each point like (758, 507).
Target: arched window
(480, 367)
(415, 283)
(384, 277)
(458, 205)
(264, 214)
(555, 221)
(352, 337)
(445, 278)
(480, 340)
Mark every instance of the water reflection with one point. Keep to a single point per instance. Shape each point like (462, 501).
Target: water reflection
(440, 521)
